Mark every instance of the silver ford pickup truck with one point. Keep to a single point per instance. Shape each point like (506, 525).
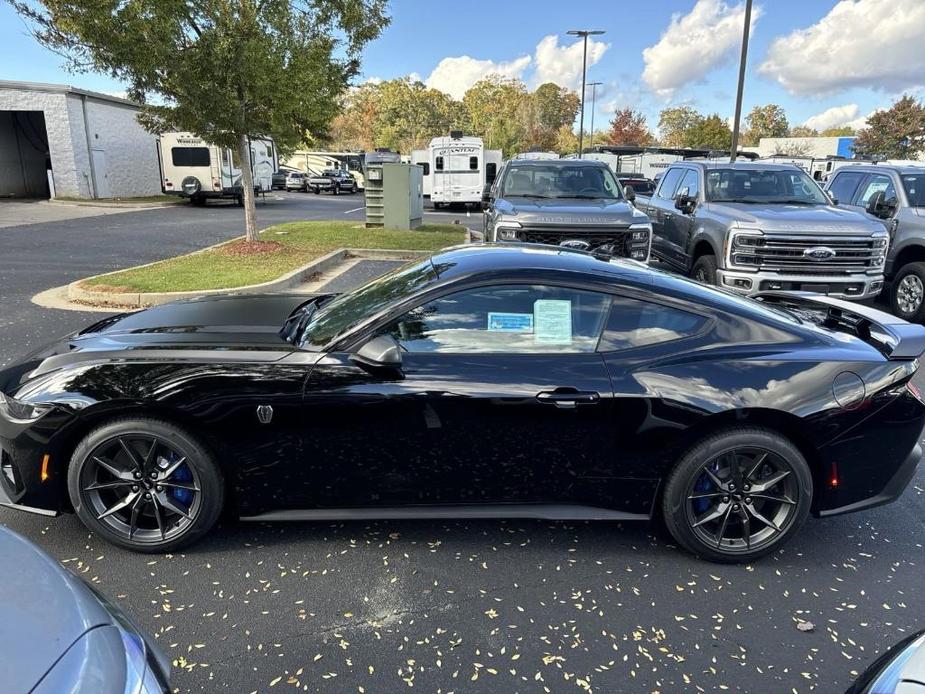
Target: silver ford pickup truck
(756, 227)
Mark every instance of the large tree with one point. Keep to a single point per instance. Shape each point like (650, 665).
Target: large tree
(628, 127)
(674, 122)
(711, 132)
(496, 112)
(802, 131)
(897, 133)
(769, 120)
(222, 69)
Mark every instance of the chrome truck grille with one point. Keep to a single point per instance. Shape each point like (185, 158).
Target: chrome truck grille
(811, 255)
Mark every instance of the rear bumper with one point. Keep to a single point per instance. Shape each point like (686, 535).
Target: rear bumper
(893, 489)
(853, 287)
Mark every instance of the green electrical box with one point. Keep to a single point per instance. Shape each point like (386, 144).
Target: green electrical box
(394, 196)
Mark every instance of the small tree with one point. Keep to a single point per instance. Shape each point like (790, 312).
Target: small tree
(897, 133)
(222, 69)
(765, 121)
(673, 124)
(628, 127)
(839, 131)
(710, 133)
(802, 131)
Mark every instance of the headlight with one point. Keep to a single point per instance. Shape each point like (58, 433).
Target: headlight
(880, 243)
(640, 232)
(506, 231)
(21, 412)
(740, 247)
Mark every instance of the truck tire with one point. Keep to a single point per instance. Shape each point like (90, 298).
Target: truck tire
(704, 269)
(316, 190)
(907, 293)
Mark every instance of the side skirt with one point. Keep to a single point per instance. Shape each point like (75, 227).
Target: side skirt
(536, 511)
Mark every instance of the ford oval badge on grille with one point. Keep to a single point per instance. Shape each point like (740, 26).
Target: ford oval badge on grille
(575, 244)
(819, 253)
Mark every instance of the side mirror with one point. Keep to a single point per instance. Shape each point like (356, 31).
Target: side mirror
(382, 352)
(834, 199)
(878, 205)
(486, 197)
(629, 193)
(685, 203)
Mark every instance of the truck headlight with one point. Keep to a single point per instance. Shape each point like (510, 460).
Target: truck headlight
(640, 232)
(506, 231)
(21, 412)
(740, 245)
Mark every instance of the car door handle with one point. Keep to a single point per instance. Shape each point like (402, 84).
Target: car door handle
(568, 399)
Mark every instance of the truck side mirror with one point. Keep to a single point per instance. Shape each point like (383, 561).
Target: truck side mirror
(685, 203)
(629, 192)
(878, 206)
(486, 197)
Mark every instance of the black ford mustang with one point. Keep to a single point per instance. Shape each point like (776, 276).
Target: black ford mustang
(481, 382)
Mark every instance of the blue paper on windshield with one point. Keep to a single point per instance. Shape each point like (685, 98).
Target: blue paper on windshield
(510, 322)
(553, 321)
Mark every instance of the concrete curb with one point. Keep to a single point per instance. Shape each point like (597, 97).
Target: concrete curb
(113, 205)
(325, 263)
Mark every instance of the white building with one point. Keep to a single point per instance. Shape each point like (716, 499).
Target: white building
(813, 147)
(57, 140)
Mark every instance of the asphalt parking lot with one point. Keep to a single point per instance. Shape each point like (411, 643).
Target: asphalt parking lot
(486, 606)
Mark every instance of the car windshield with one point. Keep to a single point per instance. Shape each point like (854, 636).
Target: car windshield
(336, 317)
(330, 172)
(591, 182)
(915, 189)
(763, 186)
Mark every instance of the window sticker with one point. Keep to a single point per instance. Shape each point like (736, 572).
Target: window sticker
(510, 322)
(552, 321)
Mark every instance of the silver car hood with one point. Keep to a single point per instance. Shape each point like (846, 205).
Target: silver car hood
(568, 211)
(796, 219)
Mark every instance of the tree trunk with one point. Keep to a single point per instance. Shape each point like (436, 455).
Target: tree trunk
(247, 189)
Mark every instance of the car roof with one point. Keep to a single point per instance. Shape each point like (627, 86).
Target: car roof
(739, 166)
(874, 168)
(561, 163)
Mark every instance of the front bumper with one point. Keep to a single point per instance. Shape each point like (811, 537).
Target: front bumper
(853, 287)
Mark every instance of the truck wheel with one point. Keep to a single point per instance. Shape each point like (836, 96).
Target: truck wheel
(704, 269)
(907, 293)
(335, 189)
(316, 190)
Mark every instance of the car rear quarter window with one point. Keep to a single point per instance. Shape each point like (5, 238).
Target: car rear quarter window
(508, 319)
(633, 323)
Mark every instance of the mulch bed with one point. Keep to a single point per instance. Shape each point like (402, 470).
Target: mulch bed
(250, 248)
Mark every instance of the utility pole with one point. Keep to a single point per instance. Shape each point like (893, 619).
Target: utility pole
(584, 33)
(742, 60)
(594, 86)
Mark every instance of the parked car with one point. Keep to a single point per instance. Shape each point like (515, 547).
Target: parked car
(894, 196)
(296, 180)
(900, 670)
(511, 381)
(335, 181)
(572, 203)
(640, 186)
(59, 635)
(758, 226)
(279, 180)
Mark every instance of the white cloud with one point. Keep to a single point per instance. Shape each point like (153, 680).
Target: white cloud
(455, 75)
(833, 117)
(562, 64)
(694, 44)
(860, 43)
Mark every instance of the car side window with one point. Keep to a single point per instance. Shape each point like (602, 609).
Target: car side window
(669, 183)
(633, 323)
(877, 183)
(844, 185)
(690, 184)
(506, 319)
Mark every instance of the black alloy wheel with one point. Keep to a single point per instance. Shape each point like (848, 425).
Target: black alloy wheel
(145, 485)
(738, 495)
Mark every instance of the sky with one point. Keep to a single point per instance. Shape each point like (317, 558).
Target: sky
(826, 62)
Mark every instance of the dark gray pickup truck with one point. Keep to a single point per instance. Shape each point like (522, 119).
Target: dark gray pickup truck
(895, 197)
(572, 203)
(757, 227)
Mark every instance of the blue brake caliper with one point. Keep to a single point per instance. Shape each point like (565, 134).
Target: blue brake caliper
(182, 474)
(704, 484)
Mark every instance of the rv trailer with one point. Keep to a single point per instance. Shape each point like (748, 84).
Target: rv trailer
(460, 167)
(195, 169)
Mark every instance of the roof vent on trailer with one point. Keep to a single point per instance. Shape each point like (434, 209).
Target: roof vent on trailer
(456, 134)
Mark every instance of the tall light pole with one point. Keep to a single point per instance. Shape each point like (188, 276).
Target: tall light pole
(738, 114)
(594, 86)
(584, 33)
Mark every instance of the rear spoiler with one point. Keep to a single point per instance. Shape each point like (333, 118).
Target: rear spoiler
(895, 338)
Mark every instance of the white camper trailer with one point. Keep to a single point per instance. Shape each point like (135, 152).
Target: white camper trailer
(195, 169)
(460, 167)
(647, 164)
(536, 155)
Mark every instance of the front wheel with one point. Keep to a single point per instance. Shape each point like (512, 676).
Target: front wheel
(145, 485)
(704, 269)
(907, 293)
(738, 495)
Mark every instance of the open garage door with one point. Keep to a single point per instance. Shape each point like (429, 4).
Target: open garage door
(25, 155)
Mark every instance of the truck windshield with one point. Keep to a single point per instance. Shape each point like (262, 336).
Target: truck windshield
(763, 186)
(915, 189)
(591, 182)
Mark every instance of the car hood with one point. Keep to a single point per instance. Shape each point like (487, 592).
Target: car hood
(45, 610)
(569, 211)
(225, 327)
(814, 219)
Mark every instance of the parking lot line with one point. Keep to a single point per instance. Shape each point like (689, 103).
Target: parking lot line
(355, 209)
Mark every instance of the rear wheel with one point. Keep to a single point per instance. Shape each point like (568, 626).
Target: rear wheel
(704, 269)
(907, 293)
(145, 485)
(738, 495)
